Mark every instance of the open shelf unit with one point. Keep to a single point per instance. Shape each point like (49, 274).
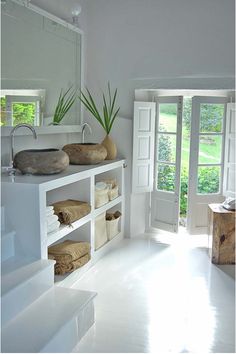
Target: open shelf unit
(33, 193)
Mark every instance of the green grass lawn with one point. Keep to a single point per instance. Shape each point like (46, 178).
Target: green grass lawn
(210, 148)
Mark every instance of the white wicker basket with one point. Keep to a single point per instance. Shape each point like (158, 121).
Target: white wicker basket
(101, 197)
(100, 231)
(112, 228)
(113, 193)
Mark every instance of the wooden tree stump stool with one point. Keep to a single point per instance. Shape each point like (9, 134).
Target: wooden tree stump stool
(221, 234)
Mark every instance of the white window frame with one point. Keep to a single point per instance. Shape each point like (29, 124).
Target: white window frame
(11, 99)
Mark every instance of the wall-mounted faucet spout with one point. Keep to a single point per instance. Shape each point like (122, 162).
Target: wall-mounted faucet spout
(83, 130)
(12, 135)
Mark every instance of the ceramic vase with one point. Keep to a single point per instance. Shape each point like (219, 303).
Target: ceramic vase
(110, 146)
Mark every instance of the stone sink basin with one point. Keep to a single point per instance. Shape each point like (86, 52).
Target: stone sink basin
(85, 153)
(41, 161)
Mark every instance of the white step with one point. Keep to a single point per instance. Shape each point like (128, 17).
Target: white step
(22, 284)
(54, 323)
(7, 245)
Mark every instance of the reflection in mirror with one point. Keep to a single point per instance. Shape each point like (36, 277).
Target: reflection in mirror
(39, 52)
(22, 106)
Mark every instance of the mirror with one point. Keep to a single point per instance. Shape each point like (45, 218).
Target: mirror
(40, 57)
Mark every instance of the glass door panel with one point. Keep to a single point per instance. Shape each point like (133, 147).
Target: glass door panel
(168, 117)
(167, 164)
(166, 148)
(206, 162)
(210, 149)
(211, 118)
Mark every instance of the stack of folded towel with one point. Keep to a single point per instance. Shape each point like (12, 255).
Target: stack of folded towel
(69, 255)
(52, 220)
(70, 210)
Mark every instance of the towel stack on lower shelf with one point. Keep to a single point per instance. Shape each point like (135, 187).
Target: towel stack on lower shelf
(69, 255)
(52, 220)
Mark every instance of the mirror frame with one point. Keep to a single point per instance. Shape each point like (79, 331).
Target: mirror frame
(5, 130)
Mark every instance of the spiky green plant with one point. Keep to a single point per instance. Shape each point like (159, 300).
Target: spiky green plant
(64, 104)
(107, 117)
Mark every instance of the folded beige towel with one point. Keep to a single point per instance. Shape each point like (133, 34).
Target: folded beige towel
(68, 251)
(62, 268)
(70, 210)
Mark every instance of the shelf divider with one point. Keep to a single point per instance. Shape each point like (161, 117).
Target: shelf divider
(107, 206)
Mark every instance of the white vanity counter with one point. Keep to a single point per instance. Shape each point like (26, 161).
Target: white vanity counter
(72, 174)
(25, 198)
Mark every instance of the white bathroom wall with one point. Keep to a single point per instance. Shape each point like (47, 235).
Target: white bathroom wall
(159, 44)
(154, 44)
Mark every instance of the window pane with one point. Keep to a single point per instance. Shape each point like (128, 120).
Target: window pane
(23, 113)
(211, 118)
(166, 148)
(165, 177)
(208, 179)
(210, 147)
(168, 117)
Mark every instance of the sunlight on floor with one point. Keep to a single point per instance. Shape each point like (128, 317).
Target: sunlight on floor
(157, 298)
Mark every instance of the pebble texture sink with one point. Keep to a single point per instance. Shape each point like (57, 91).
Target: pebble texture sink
(41, 162)
(85, 154)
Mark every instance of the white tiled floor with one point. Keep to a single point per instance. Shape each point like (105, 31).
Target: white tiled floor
(160, 298)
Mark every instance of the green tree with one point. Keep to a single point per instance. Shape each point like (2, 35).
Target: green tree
(23, 113)
(211, 116)
(3, 111)
(208, 180)
(166, 173)
(187, 111)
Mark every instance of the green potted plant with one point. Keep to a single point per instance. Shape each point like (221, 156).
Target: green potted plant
(64, 104)
(105, 117)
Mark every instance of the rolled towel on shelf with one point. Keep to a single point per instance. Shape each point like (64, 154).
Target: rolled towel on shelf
(49, 212)
(53, 227)
(49, 208)
(51, 219)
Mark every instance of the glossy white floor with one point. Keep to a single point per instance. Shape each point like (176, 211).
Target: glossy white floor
(160, 298)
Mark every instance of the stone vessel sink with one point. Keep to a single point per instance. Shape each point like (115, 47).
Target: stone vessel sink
(85, 153)
(41, 161)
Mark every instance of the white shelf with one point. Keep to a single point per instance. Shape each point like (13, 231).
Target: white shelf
(69, 278)
(107, 206)
(31, 194)
(67, 229)
(100, 252)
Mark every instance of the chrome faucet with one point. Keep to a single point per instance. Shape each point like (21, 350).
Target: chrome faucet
(83, 130)
(12, 135)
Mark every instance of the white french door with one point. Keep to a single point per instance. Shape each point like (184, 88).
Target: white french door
(229, 184)
(165, 197)
(206, 159)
